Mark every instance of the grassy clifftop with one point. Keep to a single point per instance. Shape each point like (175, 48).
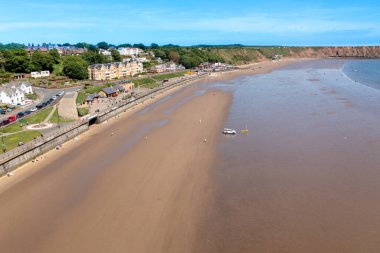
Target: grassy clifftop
(243, 55)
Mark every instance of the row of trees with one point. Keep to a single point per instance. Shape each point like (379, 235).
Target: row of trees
(18, 60)
(189, 57)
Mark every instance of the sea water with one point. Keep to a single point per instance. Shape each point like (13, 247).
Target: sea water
(363, 71)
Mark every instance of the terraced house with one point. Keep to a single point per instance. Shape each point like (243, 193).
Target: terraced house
(114, 70)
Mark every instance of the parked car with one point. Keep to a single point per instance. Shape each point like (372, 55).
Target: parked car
(12, 118)
(20, 115)
(27, 112)
(229, 131)
(2, 111)
(5, 122)
(33, 109)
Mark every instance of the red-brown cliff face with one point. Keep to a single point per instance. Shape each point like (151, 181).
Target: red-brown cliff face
(363, 51)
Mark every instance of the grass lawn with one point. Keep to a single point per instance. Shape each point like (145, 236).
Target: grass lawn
(32, 96)
(54, 118)
(39, 117)
(83, 111)
(169, 75)
(82, 95)
(95, 89)
(11, 128)
(34, 119)
(11, 141)
(145, 82)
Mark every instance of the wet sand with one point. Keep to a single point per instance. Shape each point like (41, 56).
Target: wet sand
(307, 176)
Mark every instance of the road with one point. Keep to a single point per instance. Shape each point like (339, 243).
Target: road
(43, 96)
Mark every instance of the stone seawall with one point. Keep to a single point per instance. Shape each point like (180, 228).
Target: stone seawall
(39, 149)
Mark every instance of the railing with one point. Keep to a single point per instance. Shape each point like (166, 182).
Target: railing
(39, 140)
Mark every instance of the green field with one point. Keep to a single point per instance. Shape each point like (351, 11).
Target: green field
(145, 82)
(54, 118)
(169, 75)
(81, 97)
(39, 117)
(32, 96)
(11, 141)
(33, 119)
(83, 111)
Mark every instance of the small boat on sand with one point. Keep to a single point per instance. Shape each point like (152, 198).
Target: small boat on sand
(245, 130)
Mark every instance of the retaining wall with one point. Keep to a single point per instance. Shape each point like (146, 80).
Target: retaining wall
(14, 162)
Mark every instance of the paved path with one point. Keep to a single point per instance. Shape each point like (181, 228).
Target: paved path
(50, 114)
(67, 106)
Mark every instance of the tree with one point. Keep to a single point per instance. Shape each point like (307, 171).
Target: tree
(16, 61)
(2, 62)
(140, 45)
(125, 45)
(55, 55)
(93, 57)
(75, 67)
(115, 55)
(159, 53)
(42, 61)
(103, 45)
(154, 46)
(174, 56)
(84, 45)
(190, 62)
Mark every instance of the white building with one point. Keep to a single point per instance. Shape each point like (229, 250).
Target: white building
(24, 87)
(105, 52)
(12, 96)
(14, 93)
(37, 74)
(142, 59)
(167, 67)
(130, 51)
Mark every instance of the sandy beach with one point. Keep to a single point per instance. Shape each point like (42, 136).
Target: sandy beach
(162, 177)
(139, 189)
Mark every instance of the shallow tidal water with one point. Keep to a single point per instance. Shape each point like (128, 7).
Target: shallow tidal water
(306, 178)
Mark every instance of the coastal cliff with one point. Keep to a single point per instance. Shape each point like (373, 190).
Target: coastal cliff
(243, 55)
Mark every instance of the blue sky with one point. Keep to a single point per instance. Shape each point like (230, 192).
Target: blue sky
(278, 22)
